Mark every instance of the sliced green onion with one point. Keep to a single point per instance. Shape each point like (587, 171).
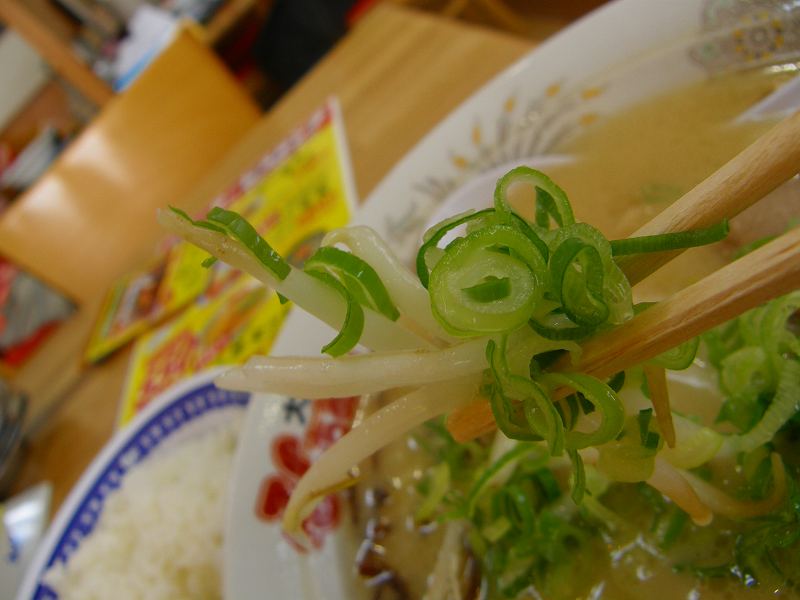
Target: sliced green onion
(508, 415)
(680, 357)
(577, 275)
(518, 507)
(748, 248)
(541, 361)
(240, 229)
(492, 289)
(208, 262)
(695, 444)
(548, 483)
(578, 478)
(671, 241)
(617, 381)
(569, 411)
(623, 461)
(434, 235)
(673, 528)
(353, 325)
(651, 440)
(538, 410)
(353, 286)
(488, 475)
(558, 329)
(357, 272)
(181, 213)
(775, 333)
(439, 486)
(617, 293)
(750, 328)
(531, 234)
(551, 201)
(586, 406)
(604, 400)
(470, 261)
(747, 372)
(784, 406)
(644, 418)
(204, 224)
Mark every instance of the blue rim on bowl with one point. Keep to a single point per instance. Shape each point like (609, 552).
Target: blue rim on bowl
(165, 419)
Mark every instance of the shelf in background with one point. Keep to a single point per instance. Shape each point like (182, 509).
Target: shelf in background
(56, 51)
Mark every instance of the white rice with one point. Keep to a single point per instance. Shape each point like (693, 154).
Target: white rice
(160, 535)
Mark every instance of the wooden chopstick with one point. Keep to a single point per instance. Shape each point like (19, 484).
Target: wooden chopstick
(753, 173)
(768, 272)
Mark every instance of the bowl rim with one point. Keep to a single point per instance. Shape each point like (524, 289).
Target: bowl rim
(126, 448)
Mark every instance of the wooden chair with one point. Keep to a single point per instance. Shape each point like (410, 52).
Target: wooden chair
(91, 216)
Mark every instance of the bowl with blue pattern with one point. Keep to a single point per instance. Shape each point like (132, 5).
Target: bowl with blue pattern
(188, 410)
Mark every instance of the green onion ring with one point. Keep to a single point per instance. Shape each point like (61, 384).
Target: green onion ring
(551, 201)
(358, 272)
(775, 334)
(509, 418)
(434, 235)
(616, 288)
(237, 227)
(678, 358)
(578, 476)
(785, 404)
(554, 332)
(203, 224)
(470, 261)
(576, 270)
(353, 324)
(601, 397)
(540, 414)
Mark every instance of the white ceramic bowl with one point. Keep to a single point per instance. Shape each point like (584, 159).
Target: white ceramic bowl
(191, 408)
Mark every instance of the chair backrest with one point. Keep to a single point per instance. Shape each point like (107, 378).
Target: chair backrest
(91, 216)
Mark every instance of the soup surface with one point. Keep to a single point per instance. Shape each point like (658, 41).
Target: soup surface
(633, 165)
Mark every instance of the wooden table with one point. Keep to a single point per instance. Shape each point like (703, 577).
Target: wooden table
(396, 74)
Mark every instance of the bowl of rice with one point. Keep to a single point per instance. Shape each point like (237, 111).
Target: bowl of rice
(146, 519)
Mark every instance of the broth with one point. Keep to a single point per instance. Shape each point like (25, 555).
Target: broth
(633, 165)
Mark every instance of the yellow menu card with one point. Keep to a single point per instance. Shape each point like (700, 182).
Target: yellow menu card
(293, 196)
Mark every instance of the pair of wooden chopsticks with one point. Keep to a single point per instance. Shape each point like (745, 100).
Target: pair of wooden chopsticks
(768, 272)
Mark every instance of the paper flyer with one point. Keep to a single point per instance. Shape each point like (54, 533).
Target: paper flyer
(292, 196)
(140, 300)
(243, 320)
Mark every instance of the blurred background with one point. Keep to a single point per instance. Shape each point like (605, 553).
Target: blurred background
(62, 60)
(291, 112)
